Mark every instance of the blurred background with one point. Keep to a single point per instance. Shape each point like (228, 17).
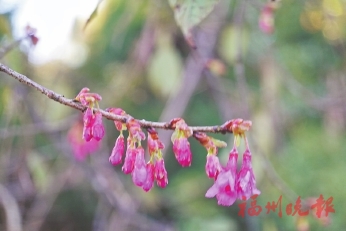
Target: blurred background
(280, 65)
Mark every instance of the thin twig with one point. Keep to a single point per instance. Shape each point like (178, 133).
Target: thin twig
(76, 105)
(239, 69)
(205, 40)
(4, 50)
(11, 209)
(34, 129)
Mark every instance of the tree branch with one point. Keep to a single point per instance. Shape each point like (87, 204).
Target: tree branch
(76, 105)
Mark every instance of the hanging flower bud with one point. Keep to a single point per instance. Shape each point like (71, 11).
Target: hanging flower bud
(130, 158)
(139, 173)
(93, 127)
(149, 182)
(154, 144)
(181, 146)
(246, 183)
(88, 116)
(182, 151)
(98, 130)
(118, 150)
(88, 121)
(87, 132)
(213, 166)
(161, 173)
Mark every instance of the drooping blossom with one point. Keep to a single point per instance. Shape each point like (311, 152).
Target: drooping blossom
(224, 187)
(93, 126)
(154, 144)
(130, 158)
(181, 146)
(160, 173)
(118, 150)
(88, 117)
(87, 132)
(80, 147)
(213, 166)
(149, 182)
(139, 173)
(182, 151)
(98, 130)
(246, 183)
(155, 167)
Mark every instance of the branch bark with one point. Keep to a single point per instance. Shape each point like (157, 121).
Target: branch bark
(76, 105)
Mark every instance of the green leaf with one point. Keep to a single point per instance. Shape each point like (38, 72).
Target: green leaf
(233, 41)
(165, 68)
(93, 15)
(39, 171)
(189, 13)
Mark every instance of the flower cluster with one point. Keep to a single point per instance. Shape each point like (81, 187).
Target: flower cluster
(143, 173)
(229, 184)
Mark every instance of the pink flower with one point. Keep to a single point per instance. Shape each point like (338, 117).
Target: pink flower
(246, 183)
(181, 146)
(87, 133)
(182, 151)
(149, 182)
(130, 158)
(117, 111)
(118, 151)
(224, 187)
(86, 98)
(139, 173)
(266, 19)
(154, 144)
(212, 167)
(160, 173)
(98, 130)
(81, 149)
(135, 130)
(88, 121)
(88, 117)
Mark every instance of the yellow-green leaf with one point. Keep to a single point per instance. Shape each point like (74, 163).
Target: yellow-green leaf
(93, 15)
(189, 13)
(165, 68)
